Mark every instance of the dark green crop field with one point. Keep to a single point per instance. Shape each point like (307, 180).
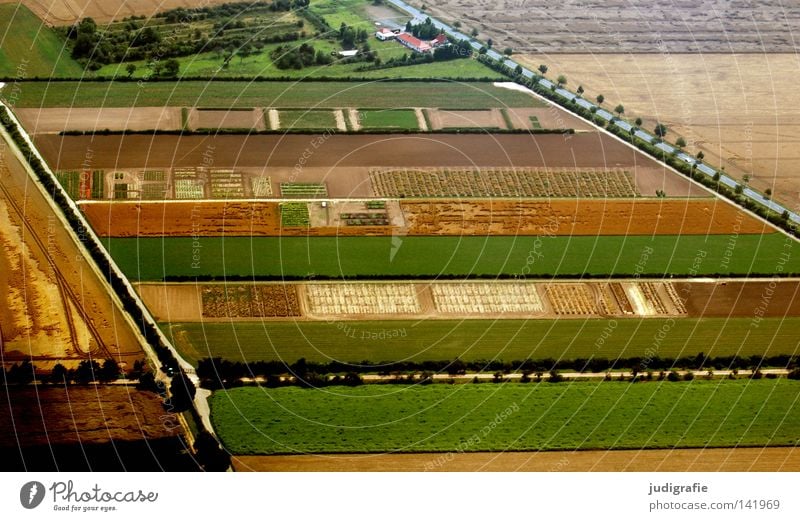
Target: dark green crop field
(489, 417)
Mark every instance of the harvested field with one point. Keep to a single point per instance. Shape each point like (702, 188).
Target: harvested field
(84, 428)
(361, 299)
(172, 302)
(486, 119)
(558, 217)
(494, 298)
(250, 119)
(502, 182)
(55, 120)
(250, 301)
(740, 110)
(64, 12)
(54, 306)
(767, 459)
(627, 26)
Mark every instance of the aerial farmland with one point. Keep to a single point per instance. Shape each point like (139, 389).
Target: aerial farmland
(332, 252)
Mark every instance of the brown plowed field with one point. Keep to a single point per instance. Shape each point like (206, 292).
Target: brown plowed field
(54, 120)
(464, 217)
(729, 298)
(680, 460)
(301, 152)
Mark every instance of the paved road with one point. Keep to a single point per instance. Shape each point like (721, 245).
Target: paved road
(641, 134)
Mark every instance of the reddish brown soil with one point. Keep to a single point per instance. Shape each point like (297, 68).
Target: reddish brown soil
(82, 414)
(463, 217)
(63, 12)
(682, 460)
(577, 217)
(776, 298)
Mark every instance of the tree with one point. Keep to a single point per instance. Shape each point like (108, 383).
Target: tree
(767, 193)
(130, 69)
(638, 122)
(474, 32)
(483, 50)
(700, 156)
(182, 390)
(209, 454)
(518, 70)
(580, 90)
(543, 69)
(170, 68)
(87, 372)
(508, 51)
(619, 109)
(489, 42)
(456, 24)
(739, 189)
(660, 130)
(58, 375)
(680, 142)
(561, 80)
(109, 371)
(746, 178)
(600, 99)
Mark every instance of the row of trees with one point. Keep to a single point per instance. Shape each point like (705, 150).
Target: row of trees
(215, 373)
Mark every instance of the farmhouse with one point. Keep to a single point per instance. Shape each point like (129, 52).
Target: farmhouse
(384, 34)
(421, 46)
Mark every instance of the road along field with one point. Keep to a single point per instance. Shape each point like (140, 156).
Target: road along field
(740, 110)
(627, 27)
(567, 217)
(88, 428)
(380, 341)
(695, 298)
(154, 259)
(479, 418)
(766, 459)
(54, 307)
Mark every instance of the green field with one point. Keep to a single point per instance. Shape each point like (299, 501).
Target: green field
(468, 418)
(307, 119)
(475, 340)
(277, 94)
(417, 256)
(404, 119)
(28, 48)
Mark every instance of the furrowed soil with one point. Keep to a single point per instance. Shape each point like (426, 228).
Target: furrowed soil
(462, 217)
(771, 459)
(111, 427)
(740, 110)
(626, 26)
(301, 152)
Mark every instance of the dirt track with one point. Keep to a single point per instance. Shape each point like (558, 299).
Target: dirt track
(681, 460)
(438, 217)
